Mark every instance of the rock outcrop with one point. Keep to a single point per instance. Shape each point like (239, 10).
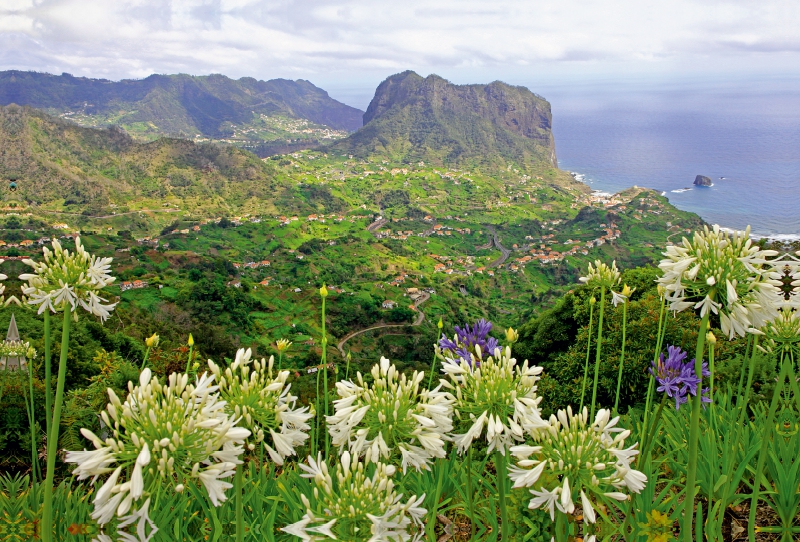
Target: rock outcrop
(702, 180)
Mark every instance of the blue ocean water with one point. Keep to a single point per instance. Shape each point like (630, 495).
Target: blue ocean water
(745, 137)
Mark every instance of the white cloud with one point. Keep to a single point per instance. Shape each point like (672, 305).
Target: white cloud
(330, 39)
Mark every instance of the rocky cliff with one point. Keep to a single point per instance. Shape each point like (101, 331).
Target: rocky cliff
(414, 118)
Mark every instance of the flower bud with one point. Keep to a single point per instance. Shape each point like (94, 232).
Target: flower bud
(323, 291)
(191, 340)
(627, 291)
(592, 300)
(712, 340)
(512, 335)
(440, 325)
(152, 342)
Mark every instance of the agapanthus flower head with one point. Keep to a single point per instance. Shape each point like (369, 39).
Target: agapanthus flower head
(782, 333)
(163, 435)
(64, 280)
(499, 396)
(724, 273)
(470, 342)
(601, 275)
(17, 349)
(353, 504)
(676, 376)
(259, 397)
(571, 459)
(393, 419)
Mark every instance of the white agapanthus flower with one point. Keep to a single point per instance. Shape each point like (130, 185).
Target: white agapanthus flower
(601, 275)
(65, 280)
(570, 459)
(162, 435)
(783, 333)
(496, 395)
(391, 419)
(352, 505)
(17, 349)
(724, 273)
(259, 398)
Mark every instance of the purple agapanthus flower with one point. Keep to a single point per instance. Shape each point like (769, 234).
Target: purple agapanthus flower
(677, 378)
(468, 337)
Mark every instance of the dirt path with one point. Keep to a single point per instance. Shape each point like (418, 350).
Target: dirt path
(417, 321)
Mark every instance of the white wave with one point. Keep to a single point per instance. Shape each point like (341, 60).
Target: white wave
(680, 190)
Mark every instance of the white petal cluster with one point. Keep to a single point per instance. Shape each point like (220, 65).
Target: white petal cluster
(65, 280)
(393, 418)
(570, 459)
(162, 435)
(16, 349)
(601, 275)
(351, 505)
(783, 333)
(724, 273)
(497, 395)
(259, 398)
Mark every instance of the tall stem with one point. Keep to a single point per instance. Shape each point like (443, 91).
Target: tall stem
(30, 406)
(47, 527)
(500, 467)
(48, 390)
(750, 370)
(622, 355)
(325, 376)
(599, 346)
(651, 384)
(694, 434)
(470, 503)
(588, 349)
(433, 363)
(144, 361)
(239, 504)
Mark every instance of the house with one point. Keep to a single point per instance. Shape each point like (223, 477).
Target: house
(388, 304)
(25, 243)
(297, 290)
(235, 283)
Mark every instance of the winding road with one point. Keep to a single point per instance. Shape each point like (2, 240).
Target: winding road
(505, 253)
(417, 321)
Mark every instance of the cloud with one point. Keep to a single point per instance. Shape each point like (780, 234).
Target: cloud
(322, 38)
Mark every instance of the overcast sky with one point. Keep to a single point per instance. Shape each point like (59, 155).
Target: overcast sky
(348, 46)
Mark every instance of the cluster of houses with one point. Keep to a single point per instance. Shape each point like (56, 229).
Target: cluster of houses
(133, 285)
(251, 265)
(438, 229)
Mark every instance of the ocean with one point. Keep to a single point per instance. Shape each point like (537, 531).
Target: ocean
(744, 136)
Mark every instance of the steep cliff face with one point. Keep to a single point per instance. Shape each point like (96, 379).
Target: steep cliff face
(415, 118)
(178, 103)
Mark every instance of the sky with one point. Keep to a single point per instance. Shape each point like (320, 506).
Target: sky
(349, 46)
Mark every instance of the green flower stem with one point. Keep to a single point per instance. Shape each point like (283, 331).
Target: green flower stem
(30, 407)
(651, 384)
(430, 527)
(750, 370)
(317, 418)
(502, 474)
(742, 368)
(144, 361)
(599, 346)
(239, 504)
(622, 355)
(786, 373)
(48, 390)
(470, 496)
(347, 370)
(189, 359)
(47, 526)
(651, 432)
(280, 360)
(433, 362)
(325, 376)
(694, 433)
(588, 349)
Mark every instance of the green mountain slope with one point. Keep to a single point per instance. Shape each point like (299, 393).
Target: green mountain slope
(429, 119)
(210, 106)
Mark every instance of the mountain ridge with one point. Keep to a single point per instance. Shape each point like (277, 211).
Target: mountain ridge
(412, 118)
(178, 103)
